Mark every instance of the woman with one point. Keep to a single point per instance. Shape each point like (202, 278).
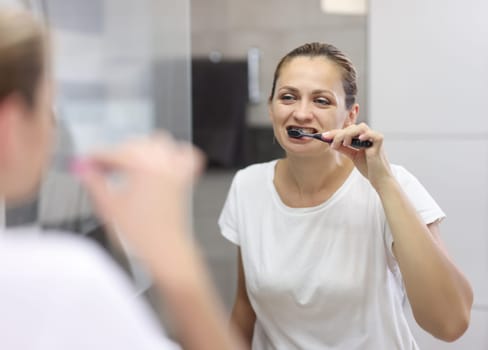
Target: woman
(60, 292)
(331, 236)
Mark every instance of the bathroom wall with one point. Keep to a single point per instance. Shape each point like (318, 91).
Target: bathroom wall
(427, 90)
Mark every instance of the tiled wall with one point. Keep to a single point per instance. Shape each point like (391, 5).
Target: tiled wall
(428, 83)
(231, 27)
(122, 68)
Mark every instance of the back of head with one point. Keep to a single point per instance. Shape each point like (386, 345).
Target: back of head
(22, 54)
(24, 146)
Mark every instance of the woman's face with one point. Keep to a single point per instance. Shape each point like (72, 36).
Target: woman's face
(309, 95)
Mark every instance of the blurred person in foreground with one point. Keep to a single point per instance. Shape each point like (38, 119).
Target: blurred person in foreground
(62, 292)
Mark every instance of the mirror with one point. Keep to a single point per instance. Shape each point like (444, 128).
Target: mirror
(235, 48)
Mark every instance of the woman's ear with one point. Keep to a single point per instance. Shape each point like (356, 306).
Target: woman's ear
(270, 112)
(352, 115)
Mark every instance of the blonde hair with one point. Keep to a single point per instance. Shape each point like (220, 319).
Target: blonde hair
(22, 54)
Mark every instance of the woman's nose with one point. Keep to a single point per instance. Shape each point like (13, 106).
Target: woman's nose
(303, 111)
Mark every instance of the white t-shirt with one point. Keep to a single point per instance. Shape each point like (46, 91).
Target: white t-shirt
(59, 292)
(322, 277)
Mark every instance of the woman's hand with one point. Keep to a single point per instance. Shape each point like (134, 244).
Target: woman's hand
(371, 162)
(141, 189)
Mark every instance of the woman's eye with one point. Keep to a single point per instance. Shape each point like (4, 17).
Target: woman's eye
(322, 101)
(287, 97)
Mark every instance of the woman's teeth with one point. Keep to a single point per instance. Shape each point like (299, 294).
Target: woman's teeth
(305, 130)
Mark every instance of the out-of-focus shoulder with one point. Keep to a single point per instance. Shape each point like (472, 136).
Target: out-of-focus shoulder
(56, 253)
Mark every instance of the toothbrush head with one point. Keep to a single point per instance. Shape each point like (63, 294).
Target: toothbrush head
(295, 133)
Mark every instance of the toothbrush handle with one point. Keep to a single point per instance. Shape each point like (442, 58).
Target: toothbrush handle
(319, 137)
(357, 143)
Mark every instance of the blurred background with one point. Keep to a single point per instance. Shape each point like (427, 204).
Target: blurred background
(203, 69)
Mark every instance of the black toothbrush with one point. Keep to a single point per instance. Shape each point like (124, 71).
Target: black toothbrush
(356, 143)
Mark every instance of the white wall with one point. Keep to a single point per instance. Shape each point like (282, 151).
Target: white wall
(427, 92)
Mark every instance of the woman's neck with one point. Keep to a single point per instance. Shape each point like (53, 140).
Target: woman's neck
(309, 181)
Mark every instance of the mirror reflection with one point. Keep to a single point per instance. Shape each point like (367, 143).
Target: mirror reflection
(235, 49)
(324, 207)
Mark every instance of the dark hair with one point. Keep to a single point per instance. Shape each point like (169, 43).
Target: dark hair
(331, 53)
(22, 54)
